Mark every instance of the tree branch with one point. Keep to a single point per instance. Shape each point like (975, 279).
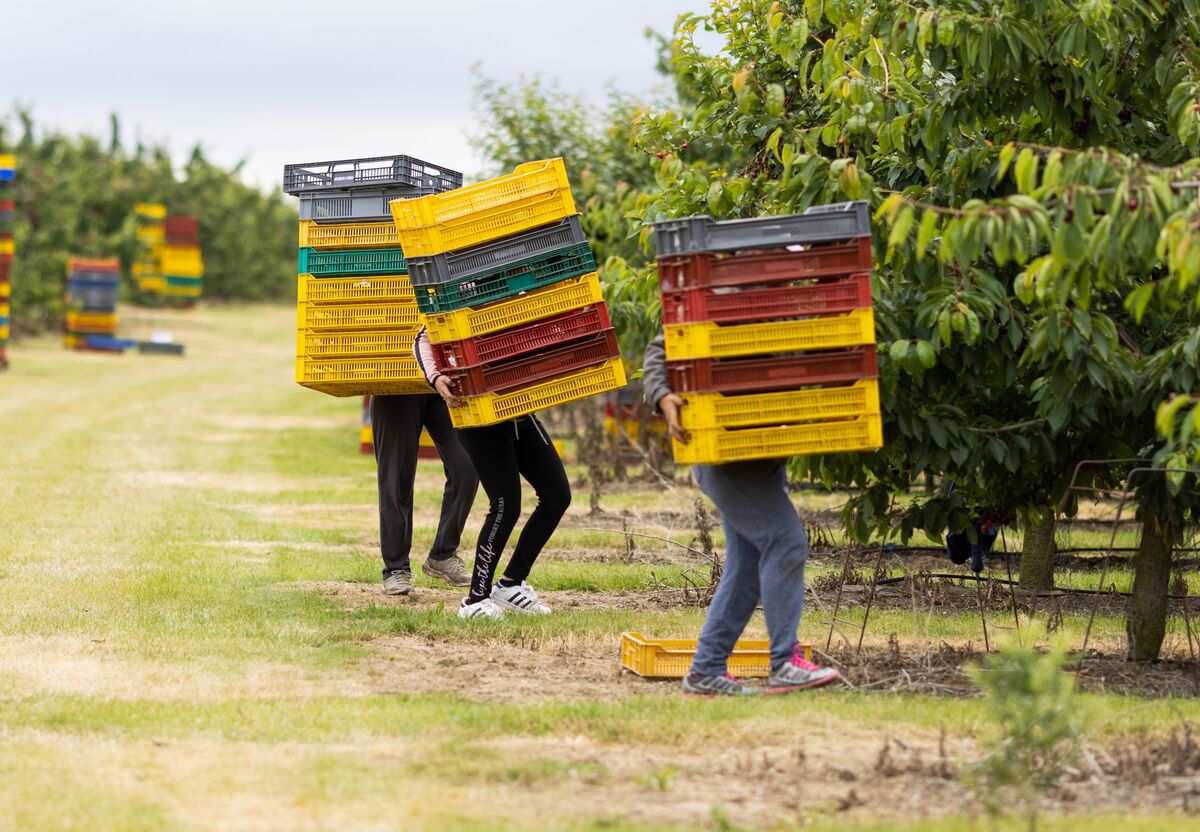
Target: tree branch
(1028, 423)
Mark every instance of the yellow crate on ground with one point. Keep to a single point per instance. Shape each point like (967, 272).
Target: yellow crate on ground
(361, 376)
(815, 404)
(535, 193)
(490, 408)
(709, 340)
(356, 316)
(671, 658)
(555, 299)
(343, 290)
(181, 261)
(92, 322)
(5, 289)
(714, 446)
(5, 309)
(7, 247)
(348, 235)
(151, 210)
(73, 340)
(349, 344)
(156, 283)
(4, 332)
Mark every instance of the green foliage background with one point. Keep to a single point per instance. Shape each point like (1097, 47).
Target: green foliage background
(75, 196)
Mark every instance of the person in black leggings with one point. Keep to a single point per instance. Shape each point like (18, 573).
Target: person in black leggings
(502, 455)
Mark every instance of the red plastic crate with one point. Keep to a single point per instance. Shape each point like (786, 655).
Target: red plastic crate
(6, 261)
(496, 378)
(510, 343)
(710, 269)
(8, 205)
(825, 297)
(6, 235)
(181, 229)
(749, 375)
(85, 265)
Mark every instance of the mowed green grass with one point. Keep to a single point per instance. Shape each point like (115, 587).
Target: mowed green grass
(172, 657)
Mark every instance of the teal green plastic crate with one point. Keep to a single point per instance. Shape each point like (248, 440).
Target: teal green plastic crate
(351, 262)
(523, 276)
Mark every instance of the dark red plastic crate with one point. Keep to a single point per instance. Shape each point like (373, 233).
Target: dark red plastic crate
(6, 235)
(760, 375)
(710, 269)
(181, 229)
(825, 297)
(7, 205)
(509, 343)
(534, 367)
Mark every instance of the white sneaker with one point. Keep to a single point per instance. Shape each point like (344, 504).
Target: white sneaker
(480, 609)
(519, 598)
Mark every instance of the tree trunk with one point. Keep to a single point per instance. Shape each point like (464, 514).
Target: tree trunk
(1037, 555)
(1147, 622)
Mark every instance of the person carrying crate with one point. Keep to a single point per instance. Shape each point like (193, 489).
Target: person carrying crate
(766, 550)
(396, 423)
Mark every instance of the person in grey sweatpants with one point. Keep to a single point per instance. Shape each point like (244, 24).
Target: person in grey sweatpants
(765, 554)
(396, 423)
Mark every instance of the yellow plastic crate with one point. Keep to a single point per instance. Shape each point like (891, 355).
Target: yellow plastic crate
(671, 658)
(7, 247)
(73, 340)
(356, 316)
(348, 235)
(156, 283)
(145, 269)
(360, 290)
(348, 344)
(709, 340)
(361, 376)
(151, 210)
(553, 300)
(182, 261)
(717, 410)
(151, 235)
(5, 309)
(714, 446)
(8, 161)
(191, 292)
(490, 408)
(535, 193)
(92, 322)
(365, 435)
(5, 289)
(4, 332)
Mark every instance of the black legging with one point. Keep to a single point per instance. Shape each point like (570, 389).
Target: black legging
(503, 454)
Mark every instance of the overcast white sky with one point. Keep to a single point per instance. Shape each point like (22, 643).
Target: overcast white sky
(297, 81)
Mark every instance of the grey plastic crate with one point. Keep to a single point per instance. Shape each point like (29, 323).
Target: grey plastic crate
(369, 172)
(457, 265)
(97, 277)
(159, 348)
(820, 224)
(345, 206)
(93, 297)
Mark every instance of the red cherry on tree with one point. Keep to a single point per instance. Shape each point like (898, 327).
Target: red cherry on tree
(659, 155)
(683, 146)
(1131, 204)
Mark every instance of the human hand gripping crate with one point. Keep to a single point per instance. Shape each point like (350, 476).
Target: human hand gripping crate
(770, 334)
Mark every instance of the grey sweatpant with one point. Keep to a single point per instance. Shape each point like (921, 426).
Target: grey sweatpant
(765, 553)
(396, 423)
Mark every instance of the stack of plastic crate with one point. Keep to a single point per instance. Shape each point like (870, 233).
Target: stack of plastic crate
(510, 295)
(770, 334)
(92, 287)
(182, 263)
(8, 175)
(147, 266)
(356, 315)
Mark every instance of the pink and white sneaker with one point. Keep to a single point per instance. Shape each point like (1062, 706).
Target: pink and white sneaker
(799, 674)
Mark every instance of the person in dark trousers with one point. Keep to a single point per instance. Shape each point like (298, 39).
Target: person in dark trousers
(503, 454)
(396, 423)
(765, 554)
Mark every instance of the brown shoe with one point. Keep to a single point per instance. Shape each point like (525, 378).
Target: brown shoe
(452, 570)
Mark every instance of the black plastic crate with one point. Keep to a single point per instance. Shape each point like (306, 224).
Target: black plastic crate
(820, 224)
(369, 172)
(493, 257)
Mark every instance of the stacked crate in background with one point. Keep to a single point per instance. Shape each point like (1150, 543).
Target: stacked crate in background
(182, 263)
(356, 315)
(151, 234)
(770, 334)
(510, 295)
(92, 287)
(8, 175)
(366, 437)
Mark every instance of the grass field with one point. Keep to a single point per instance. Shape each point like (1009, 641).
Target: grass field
(193, 638)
